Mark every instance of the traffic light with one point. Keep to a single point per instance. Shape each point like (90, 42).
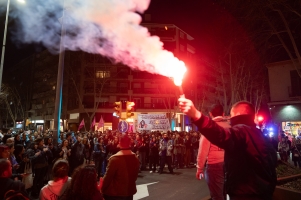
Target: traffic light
(118, 109)
(129, 109)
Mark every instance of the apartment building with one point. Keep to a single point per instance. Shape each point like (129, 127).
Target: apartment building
(285, 95)
(92, 84)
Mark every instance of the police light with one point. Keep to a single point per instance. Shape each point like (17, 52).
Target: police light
(271, 134)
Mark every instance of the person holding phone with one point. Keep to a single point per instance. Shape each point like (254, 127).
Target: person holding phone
(64, 150)
(165, 152)
(40, 162)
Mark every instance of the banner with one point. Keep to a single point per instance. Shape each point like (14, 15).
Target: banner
(153, 122)
(93, 123)
(101, 123)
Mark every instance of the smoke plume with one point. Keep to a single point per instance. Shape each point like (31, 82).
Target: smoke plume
(108, 27)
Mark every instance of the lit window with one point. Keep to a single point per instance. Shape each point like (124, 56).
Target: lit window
(102, 74)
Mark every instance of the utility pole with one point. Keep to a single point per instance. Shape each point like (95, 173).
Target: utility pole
(4, 43)
(59, 85)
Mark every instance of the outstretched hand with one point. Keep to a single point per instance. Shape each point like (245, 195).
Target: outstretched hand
(188, 108)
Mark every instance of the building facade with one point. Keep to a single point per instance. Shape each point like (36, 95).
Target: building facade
(285, 96)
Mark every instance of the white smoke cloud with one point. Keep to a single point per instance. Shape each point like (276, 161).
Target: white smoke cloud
(108, 27)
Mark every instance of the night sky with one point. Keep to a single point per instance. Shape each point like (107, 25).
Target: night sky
(198, 18)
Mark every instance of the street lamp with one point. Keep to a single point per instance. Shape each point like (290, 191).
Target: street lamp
(59, 86)
(4, 40)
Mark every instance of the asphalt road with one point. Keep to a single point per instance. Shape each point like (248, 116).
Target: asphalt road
(182, 185)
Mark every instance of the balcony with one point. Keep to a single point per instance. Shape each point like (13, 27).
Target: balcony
(107, 90)
(100, 105)
(152, 106)
(146, 75)
(152, 91)
(137, 105)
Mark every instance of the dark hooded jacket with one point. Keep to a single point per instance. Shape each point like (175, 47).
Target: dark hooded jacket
(250, 160)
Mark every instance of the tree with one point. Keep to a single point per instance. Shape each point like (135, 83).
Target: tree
(97, 75)
(169, 99)
(274, 27)
(240, 73)
(11, 101)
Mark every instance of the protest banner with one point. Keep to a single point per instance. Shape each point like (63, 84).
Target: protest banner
(153, 122)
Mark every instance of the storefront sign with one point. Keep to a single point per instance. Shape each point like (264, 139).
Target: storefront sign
(293, 128)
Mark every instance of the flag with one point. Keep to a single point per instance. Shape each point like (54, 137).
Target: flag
(93, 123)
(82, 124)
(101, 123)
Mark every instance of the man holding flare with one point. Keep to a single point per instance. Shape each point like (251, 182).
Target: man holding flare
(250, 160)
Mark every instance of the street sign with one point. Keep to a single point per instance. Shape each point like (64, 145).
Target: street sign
(123, 126)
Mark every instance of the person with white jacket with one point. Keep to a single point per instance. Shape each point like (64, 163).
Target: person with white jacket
(57, 187)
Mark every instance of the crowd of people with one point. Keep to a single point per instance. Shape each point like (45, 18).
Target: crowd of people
(31, 164)
(290, 149)
(33, 155)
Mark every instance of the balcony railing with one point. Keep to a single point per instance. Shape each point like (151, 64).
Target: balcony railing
(107, 90)
(152, 106)
(125, 90)
(137, 105)
(152, 91)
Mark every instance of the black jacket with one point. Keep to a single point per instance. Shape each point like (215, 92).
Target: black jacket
(9, 184)
(40, 160)
(250, 160)
(154, 150)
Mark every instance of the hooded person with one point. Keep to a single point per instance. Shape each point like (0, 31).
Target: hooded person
(250, 160)
(56, 188)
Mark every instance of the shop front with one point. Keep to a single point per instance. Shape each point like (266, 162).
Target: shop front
(287, 115)
(292, 128)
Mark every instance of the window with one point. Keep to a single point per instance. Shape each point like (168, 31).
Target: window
(123, 85)
(182, 35)
(137, 85)
(103, 74)
(182, 47)
(147, 85)
(157, 100)
(137, 100)
(295, 89)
